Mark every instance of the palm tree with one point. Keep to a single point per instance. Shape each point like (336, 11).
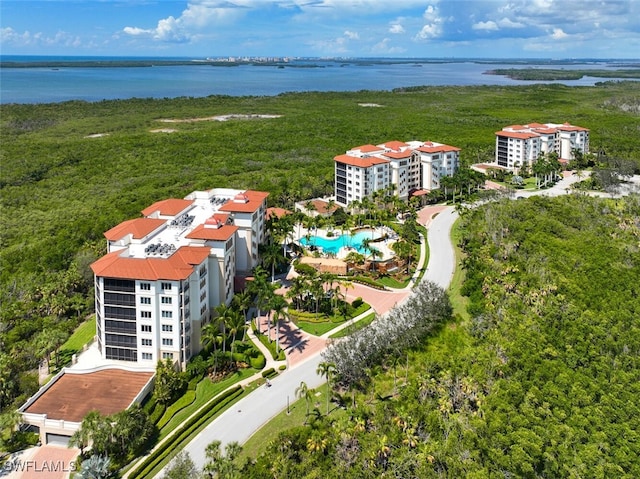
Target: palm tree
(303, 391)
(211, 333)
(261, 290)
(326, 369)
(271, 255)
(236, 323)
(225, 316)
(96, 467)
(279, 311)
(404, 251)
(243, 302)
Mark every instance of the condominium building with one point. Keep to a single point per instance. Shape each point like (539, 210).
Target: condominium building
(164, 272)
(404, 167)
(519, 146)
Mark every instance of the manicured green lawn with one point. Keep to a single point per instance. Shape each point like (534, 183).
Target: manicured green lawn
(317, 329)
(355, 326)
(258, 443)
(205, 390)
(81, 336)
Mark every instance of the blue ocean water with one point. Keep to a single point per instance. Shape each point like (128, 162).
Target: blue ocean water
(52, 85)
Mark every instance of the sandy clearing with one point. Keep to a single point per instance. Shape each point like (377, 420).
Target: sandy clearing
(216, 118)
(164, 130)
(97, 135)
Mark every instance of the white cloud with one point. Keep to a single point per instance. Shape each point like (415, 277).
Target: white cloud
(558, 34)
(396, 28)
(384, 47)
(351, 35)
(508, 23)
(432, 29)
(198, 16)
(487, 26)
(135, 31)
(9, 36)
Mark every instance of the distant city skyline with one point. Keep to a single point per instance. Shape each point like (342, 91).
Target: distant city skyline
(558, 29)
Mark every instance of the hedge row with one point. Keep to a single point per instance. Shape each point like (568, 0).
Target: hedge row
(186, 429)
(181, 403)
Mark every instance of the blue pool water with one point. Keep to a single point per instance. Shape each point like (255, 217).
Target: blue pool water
(333, 245)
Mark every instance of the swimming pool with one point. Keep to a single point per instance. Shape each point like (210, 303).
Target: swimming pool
(333, 245)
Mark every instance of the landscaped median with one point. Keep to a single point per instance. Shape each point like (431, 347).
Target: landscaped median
(163, 452)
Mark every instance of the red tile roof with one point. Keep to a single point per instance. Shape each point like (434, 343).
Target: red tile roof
(178, 266)
(397, 155)
(322, 207)
(568, 127)
(367, 148)
(395, 145)
(170, 207)
(138, 228)
(360, 162)
(221, 233)
(431, 148)
(276, 212)
(517, 134)
(246, 202)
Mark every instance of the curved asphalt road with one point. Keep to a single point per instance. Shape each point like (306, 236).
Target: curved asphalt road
(252, 412)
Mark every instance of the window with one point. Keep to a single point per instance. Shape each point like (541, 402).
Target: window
(167, 355)
(147, 342)
(145, 286)
(145, 300)
(167, 342)
(145, 314)
(166, 300)
(167, 328)
(145, 328)
(166, 286)
(147, 356)
(167, 314)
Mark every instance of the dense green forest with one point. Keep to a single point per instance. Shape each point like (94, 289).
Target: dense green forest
(542, 381)
(72, 170)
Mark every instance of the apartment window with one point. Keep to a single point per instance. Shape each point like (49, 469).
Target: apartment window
(145, 328)
(167, 355)
(145, 286)
(145, 314)
(166, 300)
(203, 271)
(167, 314)
(147, 356)
(167, 328)
(167, 342)
(147, 342)
(166, 286)
(145, 300)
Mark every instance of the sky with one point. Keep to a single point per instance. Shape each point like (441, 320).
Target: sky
(557, 29)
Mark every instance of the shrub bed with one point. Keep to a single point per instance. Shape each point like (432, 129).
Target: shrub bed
(189, 427)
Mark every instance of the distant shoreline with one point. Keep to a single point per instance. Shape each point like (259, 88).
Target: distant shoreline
(107, 62)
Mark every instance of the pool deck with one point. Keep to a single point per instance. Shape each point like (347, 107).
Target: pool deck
(383, 246)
